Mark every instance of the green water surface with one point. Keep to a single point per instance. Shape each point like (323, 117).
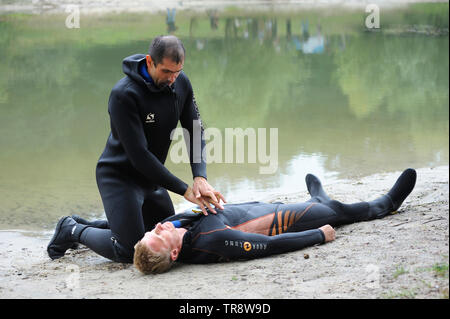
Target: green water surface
(347, 101)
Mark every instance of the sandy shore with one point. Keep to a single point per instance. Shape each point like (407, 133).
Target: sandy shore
(401, 256)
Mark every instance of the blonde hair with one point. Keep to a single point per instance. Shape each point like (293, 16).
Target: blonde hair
(149, 262)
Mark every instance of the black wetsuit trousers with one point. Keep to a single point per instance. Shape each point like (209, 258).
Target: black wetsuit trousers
(315, 213)
(131, 207)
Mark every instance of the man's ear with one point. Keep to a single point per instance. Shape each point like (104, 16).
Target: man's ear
(149, 60)
(174, 254)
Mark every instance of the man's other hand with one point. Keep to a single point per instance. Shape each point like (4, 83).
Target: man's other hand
(206, 194)
(330, 233)
(201, 201)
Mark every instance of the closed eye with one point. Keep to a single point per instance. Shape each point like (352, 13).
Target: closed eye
(168, 71)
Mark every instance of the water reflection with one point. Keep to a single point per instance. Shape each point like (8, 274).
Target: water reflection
(171, 27)
(309, 44)
(346, 103)
(264, 30)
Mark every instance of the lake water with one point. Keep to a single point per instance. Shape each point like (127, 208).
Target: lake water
(346, 101)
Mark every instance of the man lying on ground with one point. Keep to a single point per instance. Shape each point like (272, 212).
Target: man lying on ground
(255, 229)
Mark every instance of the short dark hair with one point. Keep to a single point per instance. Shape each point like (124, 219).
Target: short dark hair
(166, 46)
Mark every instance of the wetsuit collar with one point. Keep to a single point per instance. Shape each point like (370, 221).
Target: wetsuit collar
(144, 72)
(148, 79)
(134, 66)
(185, 251)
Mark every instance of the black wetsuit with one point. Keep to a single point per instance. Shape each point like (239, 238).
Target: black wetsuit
(255, 229)
(131, 176)
(216, 238)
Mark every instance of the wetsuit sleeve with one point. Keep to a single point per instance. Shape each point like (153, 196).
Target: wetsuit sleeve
(191, 121)
(234, 245)
(125, 118)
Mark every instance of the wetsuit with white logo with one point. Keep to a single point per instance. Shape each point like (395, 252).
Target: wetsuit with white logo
(131, 175)
(256, 229)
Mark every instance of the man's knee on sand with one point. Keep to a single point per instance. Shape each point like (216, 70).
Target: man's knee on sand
(122, 253)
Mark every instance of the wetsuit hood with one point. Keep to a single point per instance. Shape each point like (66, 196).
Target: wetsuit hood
(131, 65)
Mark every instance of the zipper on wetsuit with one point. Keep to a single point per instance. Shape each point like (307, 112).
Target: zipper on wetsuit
(176, 101)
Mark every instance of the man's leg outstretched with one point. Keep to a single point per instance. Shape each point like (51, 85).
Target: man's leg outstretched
(321, 209)
(378, 208)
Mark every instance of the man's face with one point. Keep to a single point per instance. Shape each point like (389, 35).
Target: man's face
(165, 73)
(162, 237)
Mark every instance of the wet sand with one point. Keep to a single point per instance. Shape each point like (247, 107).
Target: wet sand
(404, 255)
